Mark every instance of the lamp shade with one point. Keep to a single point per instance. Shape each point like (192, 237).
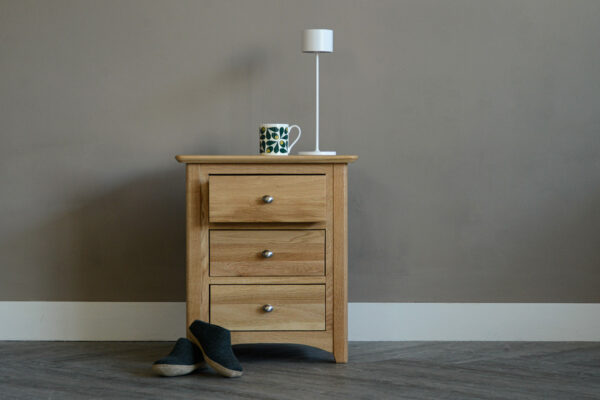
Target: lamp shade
(317, 41)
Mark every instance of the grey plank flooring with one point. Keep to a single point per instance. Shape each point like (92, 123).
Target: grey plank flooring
(376, 370)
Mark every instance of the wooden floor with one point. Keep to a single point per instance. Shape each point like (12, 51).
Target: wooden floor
(377, 370)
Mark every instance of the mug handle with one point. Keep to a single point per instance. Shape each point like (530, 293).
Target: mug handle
(298, 138)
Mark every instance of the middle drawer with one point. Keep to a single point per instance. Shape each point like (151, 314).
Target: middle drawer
(267, 252)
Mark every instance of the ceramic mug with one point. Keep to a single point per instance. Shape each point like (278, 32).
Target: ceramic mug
(274, 139)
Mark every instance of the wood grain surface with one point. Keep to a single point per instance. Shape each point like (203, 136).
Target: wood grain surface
(239, 198)
(240, 252)
(258, 159)
(375, 370)
(340, 263)
(295, 307)
(305, 227)
(197, 238)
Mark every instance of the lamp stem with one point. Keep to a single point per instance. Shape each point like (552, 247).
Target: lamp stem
(317, 103)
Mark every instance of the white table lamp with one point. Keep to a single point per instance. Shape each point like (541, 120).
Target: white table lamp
(317, 41)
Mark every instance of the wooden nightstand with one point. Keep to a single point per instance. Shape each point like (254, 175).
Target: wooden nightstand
(267, 248)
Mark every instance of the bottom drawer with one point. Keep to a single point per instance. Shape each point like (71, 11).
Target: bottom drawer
(268, 307)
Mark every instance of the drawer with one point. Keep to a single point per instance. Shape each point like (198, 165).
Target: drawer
(267, 252)
(243, 198)
(242, 307)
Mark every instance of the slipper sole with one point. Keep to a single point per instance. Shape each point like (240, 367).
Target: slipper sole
(175, 370)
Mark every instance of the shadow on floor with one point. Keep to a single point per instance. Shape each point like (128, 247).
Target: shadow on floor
(281, 352)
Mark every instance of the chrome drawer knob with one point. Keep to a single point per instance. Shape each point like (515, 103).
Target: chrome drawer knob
(267, 199)
(267, 308)
(267, 254)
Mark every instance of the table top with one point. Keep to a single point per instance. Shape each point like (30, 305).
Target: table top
(259, 159)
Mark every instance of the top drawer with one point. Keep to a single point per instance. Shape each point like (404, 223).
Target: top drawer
(266, 198)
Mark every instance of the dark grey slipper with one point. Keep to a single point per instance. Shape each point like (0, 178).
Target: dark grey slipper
(184, 359)
(215, 343)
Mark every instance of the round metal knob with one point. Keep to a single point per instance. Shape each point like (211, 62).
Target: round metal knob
(267, 253)
(267, 199)
(267, 308)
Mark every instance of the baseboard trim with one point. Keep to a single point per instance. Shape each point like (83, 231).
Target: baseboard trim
(104, 321)
(129, 321)
(475, 321)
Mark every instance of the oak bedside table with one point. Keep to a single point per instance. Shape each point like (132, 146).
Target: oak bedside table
(267, 248)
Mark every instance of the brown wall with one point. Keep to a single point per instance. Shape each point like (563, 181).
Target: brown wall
(477, 124)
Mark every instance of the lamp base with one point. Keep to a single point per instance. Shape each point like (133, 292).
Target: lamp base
(317, 153)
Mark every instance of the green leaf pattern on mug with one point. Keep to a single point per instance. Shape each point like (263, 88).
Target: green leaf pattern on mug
(274, 140)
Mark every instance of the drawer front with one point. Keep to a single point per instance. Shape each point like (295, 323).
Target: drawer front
(242, 307)
(267, 252)
(242, 198)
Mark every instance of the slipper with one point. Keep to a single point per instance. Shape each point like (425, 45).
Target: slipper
(184, 359)
(215, 344)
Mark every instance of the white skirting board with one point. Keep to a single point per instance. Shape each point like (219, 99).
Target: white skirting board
(35, 320)
(474, 321)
